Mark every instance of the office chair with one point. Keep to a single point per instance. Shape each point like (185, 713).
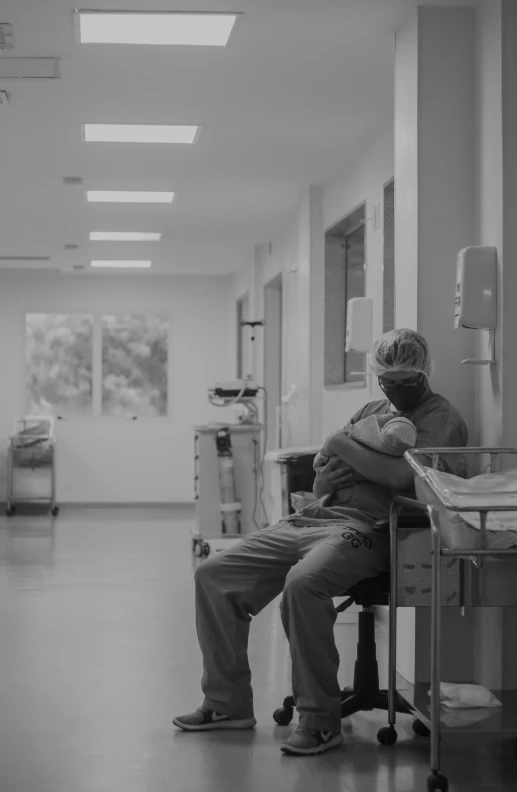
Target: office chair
(365, 695)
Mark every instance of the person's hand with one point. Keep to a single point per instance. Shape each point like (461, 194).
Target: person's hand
(332, 476)
(320, 461)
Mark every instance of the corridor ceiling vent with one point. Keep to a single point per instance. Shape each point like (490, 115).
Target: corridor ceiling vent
(139, 133)
(72, 180)
(120, 264)
(27, 263)
(29, 68)
(124, 236)
(128, 196)
(175, 28)
(6, 36)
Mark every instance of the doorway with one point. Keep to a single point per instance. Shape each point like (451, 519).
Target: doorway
(273, 358)
(243, 361)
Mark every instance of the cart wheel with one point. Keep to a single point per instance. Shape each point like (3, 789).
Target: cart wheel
(10, 511)
(205, 549)
(283, 716)
(54, 511)
(387, 735)
(420, 729)
(437, 781)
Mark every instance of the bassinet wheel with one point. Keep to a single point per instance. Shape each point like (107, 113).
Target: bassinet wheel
(283, 716)
(10, 511)
(437, 783)
(54, 511)
(420, 729)
(205, 549)
(387, 735)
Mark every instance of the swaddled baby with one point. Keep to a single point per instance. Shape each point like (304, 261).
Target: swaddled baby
(388, 434)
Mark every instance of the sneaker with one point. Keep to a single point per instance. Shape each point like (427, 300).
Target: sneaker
(204, 719)
(305, 742)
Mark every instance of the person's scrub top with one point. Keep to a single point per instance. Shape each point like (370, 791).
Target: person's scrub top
(438, 424)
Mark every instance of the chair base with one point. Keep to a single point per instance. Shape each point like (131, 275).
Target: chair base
(352, 702)
(365, 694)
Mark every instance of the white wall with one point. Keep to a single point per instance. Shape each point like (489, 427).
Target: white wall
(298, 255)
(363, 182)
(110, 460)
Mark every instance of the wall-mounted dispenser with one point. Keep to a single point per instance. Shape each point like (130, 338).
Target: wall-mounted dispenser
(359, 325)
(359, 331)
(475, 306)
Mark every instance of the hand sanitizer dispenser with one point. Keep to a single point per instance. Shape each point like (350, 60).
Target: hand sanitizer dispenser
(359, 332)
(475, 306)
(359, 325)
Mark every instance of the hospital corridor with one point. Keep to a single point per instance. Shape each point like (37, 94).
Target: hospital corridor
(100, 649)
(258, 445)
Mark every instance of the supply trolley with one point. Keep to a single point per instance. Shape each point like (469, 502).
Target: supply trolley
(227, 485)
(473, 564)
(32, 447)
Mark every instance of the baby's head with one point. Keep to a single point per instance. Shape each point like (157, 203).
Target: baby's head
(389, 434)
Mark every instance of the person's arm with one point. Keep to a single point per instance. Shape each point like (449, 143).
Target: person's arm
(334, 474)
(331, 477)
(392, 472)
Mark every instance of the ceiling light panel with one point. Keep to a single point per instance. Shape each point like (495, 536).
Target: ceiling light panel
(120, 264)
(124, 236)
(128, 196)
(138, 133)
(172, 29)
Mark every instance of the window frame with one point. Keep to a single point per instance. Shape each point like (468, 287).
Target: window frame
(96, 413)
(23, 374)
(349, 223)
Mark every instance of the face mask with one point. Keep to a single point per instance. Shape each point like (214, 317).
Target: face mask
(403, 397)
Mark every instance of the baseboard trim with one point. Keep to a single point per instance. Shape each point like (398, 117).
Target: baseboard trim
(112, 505)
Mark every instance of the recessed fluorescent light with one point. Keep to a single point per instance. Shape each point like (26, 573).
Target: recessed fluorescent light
(123, 236)
(120, 264)
(173, 28)
(138, 133)
(128, 196)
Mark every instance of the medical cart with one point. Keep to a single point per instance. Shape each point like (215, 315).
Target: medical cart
(32, 449)
(209, 534)
(466, 570)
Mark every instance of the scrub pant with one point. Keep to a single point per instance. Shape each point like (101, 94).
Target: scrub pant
(311, 565)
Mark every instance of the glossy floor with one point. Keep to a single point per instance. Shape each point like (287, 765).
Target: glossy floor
(98, 652)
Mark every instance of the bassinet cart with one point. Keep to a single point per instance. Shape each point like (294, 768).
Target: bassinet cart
(487, 578)
(32, 447)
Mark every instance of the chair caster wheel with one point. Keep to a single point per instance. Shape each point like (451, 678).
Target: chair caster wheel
(437, 782)
(283, 716)
(54, 511)
(420, 729)
(387, 735)
(10, 511)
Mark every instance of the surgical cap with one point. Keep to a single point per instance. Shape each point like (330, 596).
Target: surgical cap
(400, 350)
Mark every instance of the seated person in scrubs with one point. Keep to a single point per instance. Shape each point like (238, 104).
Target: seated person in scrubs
(315, 555)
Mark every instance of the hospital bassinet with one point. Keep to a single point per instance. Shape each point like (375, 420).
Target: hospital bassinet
(473, 563)
(32, 448)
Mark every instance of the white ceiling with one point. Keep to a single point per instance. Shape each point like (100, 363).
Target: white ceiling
(300, 88)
